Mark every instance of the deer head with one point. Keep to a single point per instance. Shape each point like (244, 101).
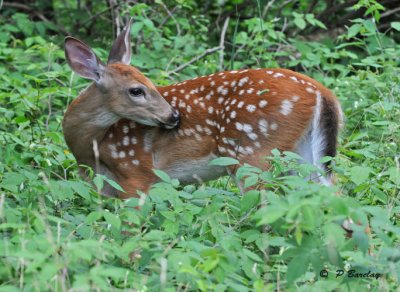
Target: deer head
(122, 90)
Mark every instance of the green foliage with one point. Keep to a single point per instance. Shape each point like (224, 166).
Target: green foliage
(57, 233)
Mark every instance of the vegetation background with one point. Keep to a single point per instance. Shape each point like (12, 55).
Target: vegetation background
(58, 234)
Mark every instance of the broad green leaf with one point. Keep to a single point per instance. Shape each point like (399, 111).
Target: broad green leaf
(297, 267)
(359, 174)
(353, 30)
(299, 21)
(224, 161)
(162, 175)
(269, 214)
(395, 25)
(249, 200)
(112, 219)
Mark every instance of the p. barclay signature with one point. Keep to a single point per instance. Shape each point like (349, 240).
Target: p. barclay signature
(352, 273)
(355, 274)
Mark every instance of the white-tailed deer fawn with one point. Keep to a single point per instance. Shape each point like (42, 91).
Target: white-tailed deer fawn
(241, 113)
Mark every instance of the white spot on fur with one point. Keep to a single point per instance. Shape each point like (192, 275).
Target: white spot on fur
(210, 109)
(295, 98)
(207, 131)
(233, 114)
(243, 81)
(125, 129)
(240, 104)
(131, 152)
(247, 128)
(222, 90)
(310, 90)
(262, 103)
(135, 162)
(125, 141)
(239, 126)
(263, 127)
(252, 136)
(286, 107)
(188, 131)
(210, 122)
(251, 108)
(221, 149)
(199, 128)
(121, 154)
(277, 75)
(274, 126)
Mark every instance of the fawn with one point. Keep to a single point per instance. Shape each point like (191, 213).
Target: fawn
(180, 128)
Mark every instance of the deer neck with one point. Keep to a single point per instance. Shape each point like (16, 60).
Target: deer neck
(87, 120)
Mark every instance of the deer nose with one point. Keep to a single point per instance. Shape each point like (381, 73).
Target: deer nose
(175, 117)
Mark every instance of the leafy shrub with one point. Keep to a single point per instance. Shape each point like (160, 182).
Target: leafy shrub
(59, 234)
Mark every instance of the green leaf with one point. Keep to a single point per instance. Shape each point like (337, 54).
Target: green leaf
(249, 200)
(359, 174)
(299, 21)
(114, 184)
(297, 267)
(269, 214)
(81, 189)
(112, 219)
(224, 161)
(353, 30)
(162, 175)
(395, 25)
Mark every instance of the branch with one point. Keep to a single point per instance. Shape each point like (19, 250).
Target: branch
(100, 13)
(221, 44)
(195, 59)
(30, 9)
(390, 12)
(172, 17)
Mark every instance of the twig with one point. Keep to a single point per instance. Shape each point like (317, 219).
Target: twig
(166, 18)
(115, 16)
(29, 9)
(195, 59)
(100, 13)
(267, 7)
(172, 16)
(390, 12)
(221, 44)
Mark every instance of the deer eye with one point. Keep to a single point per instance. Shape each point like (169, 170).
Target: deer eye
(136, 91)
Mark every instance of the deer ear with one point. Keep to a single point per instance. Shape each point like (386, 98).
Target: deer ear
(82, 59)
(121, 48)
